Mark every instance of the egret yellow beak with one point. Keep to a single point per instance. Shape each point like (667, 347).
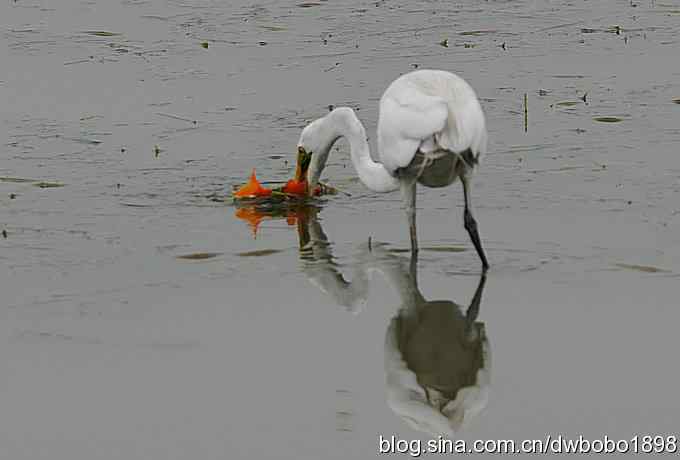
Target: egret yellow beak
(303, 161)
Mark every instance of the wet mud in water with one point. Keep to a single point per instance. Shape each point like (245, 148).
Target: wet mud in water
(142, 315)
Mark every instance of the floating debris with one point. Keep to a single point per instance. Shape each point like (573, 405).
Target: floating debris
(101, 33)
(199, 256)
(205, 45)
(444, 43)
(612, 30)
(643, 268)
(44, 184)
(608, 119)
(568, 76)
(175, 117)
(332, 67)
(567, 103)
(599, 165)
(308, 4)
(275, 28)
(89, 117)
(17, 180)
(156, 150)
(136, 205)
(84, 140)
(35, 182)
(445, 249)
(477, 33)
(560, 169)
(454, 249)
(259, 253)
(676, 100)
(4, 233)
(78, 61)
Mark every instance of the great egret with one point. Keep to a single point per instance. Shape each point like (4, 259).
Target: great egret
(431, 130)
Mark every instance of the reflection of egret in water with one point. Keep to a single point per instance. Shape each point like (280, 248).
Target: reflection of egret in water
(437, 362)
(322, 270)
(437, 358)
(317, 257)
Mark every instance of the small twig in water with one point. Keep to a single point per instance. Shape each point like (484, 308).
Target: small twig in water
(79, 61)
(526, 113)
(176, 117)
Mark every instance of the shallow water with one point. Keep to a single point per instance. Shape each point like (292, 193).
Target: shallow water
(139, 318)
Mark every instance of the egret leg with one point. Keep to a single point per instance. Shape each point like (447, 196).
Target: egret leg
(471, 225)
(473, 308)
(413, 268)
(408, 191)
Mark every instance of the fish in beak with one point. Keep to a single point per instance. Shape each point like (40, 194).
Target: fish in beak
(298, 185)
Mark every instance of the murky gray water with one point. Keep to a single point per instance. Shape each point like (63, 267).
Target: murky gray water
(112, 346)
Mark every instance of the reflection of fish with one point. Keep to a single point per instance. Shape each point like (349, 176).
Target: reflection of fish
(437, 358)
(254, 214)
(252, 217)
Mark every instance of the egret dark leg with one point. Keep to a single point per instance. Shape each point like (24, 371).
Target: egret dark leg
(473, 308)
(471, 226)
(408, 191)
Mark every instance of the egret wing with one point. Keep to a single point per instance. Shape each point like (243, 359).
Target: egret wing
(429, 109)
(407, 118)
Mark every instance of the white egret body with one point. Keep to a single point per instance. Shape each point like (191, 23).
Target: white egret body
(431, 129)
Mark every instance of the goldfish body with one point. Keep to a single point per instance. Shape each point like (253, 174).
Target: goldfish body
(253, 189)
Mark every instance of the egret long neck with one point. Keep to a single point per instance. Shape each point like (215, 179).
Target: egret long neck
(373, 175)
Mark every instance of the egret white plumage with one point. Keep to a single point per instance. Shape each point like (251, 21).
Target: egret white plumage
(431, 130)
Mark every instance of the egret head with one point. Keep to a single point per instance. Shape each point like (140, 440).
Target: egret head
(314, 145)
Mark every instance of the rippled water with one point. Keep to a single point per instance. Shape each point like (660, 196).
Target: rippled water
(140, 318)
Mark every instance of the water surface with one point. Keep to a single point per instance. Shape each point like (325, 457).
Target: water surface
(140, 318)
